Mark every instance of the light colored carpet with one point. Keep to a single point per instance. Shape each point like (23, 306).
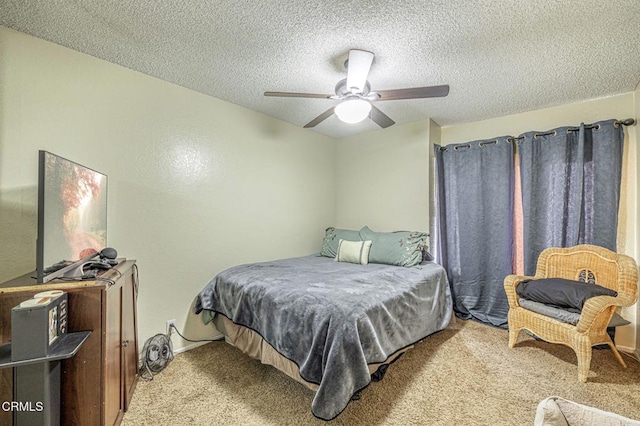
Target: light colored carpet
(465, 374)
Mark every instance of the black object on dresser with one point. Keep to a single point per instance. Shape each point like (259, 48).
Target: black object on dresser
(98, 381)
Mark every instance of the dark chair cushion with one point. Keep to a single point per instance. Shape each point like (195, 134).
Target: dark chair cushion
(568, 315)
(561, 292)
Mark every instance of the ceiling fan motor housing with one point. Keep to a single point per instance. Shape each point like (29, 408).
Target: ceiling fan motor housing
(342, 91)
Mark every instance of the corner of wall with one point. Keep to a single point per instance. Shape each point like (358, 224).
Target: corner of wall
(435, 132)
(381, 178)
(435, 138)
(636, 113)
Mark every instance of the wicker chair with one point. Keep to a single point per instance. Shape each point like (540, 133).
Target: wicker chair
(581, 263)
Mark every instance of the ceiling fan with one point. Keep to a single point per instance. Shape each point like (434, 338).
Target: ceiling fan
(356, 95)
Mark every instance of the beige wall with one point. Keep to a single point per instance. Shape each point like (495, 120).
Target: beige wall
(382, 179)
(619, 107)
(636, 115)
(195, 184)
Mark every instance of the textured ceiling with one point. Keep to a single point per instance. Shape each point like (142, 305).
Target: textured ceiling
(499, 57)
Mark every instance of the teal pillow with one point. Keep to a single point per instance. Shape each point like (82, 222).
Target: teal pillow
(401, 248)
(332, 237)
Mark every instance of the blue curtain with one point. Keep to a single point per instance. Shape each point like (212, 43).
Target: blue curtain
(570, 187)
(473, 237)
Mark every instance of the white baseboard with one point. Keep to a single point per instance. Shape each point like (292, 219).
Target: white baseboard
(632, 352)
(193, 345)
(188, 347)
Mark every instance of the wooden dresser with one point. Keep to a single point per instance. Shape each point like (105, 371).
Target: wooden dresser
(98, 382)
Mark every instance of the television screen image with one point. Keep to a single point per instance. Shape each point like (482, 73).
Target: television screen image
(72, 214)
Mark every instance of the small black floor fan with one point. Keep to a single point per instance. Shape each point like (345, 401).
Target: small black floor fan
(157, 353)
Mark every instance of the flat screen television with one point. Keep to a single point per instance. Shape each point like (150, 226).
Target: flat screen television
(72, 217)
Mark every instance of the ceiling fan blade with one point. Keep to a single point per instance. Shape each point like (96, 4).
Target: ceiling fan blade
(414, 93)
(358, 69)
(319, 119)
(380, 118)
(297, 95)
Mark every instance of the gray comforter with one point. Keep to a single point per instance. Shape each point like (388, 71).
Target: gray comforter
(332, 318)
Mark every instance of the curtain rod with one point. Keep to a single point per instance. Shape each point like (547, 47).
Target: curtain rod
(625, 122)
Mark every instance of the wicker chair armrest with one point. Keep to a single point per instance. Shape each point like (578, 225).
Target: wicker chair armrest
(594, 306)
(510, 284)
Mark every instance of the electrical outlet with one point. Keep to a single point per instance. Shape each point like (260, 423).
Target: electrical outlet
(170, 324)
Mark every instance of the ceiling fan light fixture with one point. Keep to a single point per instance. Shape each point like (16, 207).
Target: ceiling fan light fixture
(353, 110)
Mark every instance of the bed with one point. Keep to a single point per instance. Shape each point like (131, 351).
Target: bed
(327, 324)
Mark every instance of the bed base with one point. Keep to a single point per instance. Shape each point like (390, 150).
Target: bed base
(253, 345)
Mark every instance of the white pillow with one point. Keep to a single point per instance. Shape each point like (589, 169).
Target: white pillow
(353, 251)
